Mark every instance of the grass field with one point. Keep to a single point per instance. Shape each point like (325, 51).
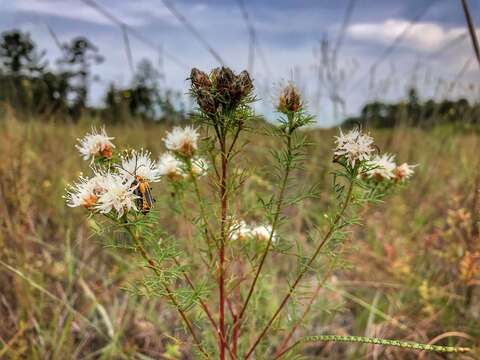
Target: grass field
(411, 271)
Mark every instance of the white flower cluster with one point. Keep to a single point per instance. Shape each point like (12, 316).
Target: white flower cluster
(240, 230)
(102, 193)
(112, 191)
(384, 168)
(357, 148)
(95, 144)
(115, 191)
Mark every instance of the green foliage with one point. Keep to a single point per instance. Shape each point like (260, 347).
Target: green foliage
(415, 112)
(34, 90)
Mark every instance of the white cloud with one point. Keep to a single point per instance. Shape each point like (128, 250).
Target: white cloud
(424, 36)
(74, 10)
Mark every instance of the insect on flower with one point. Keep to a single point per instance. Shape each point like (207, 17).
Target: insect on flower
(140, 170)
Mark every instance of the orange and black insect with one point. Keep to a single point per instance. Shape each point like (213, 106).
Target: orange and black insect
(143, 192)
(141, 188)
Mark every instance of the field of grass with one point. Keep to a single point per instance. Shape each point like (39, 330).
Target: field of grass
(411, 270)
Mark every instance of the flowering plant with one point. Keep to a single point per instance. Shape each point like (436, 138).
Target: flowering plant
(222, 299)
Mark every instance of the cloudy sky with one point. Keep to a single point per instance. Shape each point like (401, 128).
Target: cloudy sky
(431, 49)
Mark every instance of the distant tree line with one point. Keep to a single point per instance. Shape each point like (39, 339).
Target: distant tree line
(30, 87)
(415, 112)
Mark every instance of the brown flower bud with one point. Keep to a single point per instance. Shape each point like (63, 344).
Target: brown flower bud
(289, 100)
(199, 79)
(224, 80)
(206, 101)
(245, 82)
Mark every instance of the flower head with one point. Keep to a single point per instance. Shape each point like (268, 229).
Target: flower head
(95, 144)
(403, 172)
(224, 79)
(245, 83)
(354, 146)
(169, 166)
(381, 167)
(139, 165)
(85, 191)
(206, 101)
(182, 140)
(117, 195)
(199, 79)
(289, 100)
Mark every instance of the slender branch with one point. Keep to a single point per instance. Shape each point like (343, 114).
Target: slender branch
(274, 225)
(221, 253)
(205, 309)
(170, 295)
(306, 268)
(208, 230)
(235, 138)
(376, 341)
(202, 303)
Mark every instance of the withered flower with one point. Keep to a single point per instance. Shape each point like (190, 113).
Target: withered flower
(206, 101)
(289, 100)
(199, 79)
(245, 82)
(242, 87)
(224, 80)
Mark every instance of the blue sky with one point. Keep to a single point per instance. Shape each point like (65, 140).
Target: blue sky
(431, 54)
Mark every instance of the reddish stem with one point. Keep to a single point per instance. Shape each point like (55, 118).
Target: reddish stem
(236, 329)
(223, 236)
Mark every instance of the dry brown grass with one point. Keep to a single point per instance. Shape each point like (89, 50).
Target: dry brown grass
(409, 277)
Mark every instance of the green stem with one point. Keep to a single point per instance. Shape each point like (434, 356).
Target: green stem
(170, 295)
(208, 231)
(376, 341)
(306, 268)
(274, 226)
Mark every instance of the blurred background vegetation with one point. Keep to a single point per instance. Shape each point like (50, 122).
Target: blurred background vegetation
(413, 268)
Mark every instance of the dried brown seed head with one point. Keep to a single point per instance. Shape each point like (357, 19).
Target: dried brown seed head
(224, 79)
(206, 101)
(245, 82)
(199, 79)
